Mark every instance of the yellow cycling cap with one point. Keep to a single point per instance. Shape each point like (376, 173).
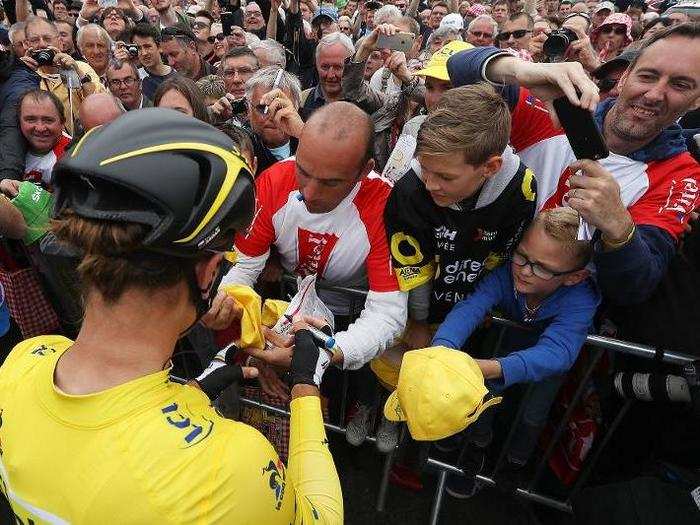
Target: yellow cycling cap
(440, 392)
(437, 65)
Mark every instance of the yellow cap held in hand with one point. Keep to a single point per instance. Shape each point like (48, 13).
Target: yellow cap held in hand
(440, 392)
(437, 65)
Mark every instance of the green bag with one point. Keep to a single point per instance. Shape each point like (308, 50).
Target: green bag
(35, 204)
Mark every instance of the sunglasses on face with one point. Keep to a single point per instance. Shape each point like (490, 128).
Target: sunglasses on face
(519, 33)
(618, 30)
(481, 34)
(220, 37)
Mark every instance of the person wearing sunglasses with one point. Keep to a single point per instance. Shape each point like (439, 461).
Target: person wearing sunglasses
(611, 37)
(201, 27)
(482, 31)
(547, 288)
(219, 42)
(517, 32)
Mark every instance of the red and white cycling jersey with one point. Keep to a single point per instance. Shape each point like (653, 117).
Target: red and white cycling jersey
(344, 247)
(658, 193)
(38, 168)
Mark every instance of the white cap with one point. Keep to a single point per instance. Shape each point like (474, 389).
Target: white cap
(453, 21)
(605, 5)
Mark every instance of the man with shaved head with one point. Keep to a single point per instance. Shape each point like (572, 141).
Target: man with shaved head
(323, 212)
(98, 109)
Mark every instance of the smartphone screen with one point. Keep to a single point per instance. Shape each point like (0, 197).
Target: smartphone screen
(581, 130)
(229, 20)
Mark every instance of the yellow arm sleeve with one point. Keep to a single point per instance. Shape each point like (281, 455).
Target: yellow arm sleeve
(311, 468)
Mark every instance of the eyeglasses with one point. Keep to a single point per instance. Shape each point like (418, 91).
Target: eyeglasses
(618, 30)
(260, 108)
(220, 37)
(253, 14)
(538, 270)
(240, 71)
(481, 34)
(518, 33)
(128, 82)
(200, 25)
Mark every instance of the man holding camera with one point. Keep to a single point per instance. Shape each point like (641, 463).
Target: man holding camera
(69, 79)
(637, 201)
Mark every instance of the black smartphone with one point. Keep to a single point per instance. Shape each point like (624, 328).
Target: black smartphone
(581, 130)
(229, 20)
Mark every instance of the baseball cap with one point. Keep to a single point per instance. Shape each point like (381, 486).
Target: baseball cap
(325, 11)
(437, 65)
(604, 5)
(439, 393)
(625, 58)
(453, 21)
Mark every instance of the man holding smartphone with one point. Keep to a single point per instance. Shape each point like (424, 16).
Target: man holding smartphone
(637, 201)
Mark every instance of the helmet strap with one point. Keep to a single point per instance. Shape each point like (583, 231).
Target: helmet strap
(203, 298)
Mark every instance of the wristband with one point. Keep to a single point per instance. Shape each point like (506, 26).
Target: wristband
(614, 245)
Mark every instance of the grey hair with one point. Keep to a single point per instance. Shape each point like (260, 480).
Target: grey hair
(335, 38)
(446, 33)
(118, 64)
(275, 51)
(14, 29)
(387, 14)
(212, 86)
(484, 18)
(101, 32)
(265, 78)
(251, 39)
(252, 3)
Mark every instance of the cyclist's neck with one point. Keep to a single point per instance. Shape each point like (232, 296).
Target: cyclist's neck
(120, 342)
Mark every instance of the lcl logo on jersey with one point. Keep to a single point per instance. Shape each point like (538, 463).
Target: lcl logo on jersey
(194, 432)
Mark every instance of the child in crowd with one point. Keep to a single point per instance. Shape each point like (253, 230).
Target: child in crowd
(547, 288)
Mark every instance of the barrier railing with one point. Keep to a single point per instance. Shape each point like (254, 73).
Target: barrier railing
(529, 491)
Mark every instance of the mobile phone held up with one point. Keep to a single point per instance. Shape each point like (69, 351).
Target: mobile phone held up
(581, 130)
(396, 42)
(229, 20)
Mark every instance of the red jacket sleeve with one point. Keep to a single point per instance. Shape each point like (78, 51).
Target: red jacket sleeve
(531, 122)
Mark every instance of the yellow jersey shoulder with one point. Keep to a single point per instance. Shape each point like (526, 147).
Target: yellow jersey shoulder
(28, 353)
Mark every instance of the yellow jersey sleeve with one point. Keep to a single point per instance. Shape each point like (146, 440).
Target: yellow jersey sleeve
(311, 469)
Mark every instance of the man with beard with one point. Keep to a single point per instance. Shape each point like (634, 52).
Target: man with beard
(637, 201)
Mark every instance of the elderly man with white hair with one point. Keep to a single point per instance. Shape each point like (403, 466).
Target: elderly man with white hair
(482, 31)
(331, 52)
(96, 46)
(269, 53)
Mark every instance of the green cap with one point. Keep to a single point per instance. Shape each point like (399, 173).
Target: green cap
(36, 204)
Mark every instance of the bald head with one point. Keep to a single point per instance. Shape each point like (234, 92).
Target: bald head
(334, 154)
(343, 121)
(98, 109)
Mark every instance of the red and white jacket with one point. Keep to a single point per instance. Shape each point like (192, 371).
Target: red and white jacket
(38, 168)
(345, 247)
(658, 193)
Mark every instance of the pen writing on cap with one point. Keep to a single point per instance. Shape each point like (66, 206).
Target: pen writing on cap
(276, 84)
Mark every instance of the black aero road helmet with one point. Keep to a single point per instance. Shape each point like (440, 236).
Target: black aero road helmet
(175, 174)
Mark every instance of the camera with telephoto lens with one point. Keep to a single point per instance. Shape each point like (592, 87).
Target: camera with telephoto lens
(133, 51)
(558, 42)
(44, 57)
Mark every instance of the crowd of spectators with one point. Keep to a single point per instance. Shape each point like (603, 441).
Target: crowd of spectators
(408, 149)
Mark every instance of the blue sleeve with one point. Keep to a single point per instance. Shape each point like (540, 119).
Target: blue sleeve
(468, 314)
(631, 274)
(558, 346)
(467, 67)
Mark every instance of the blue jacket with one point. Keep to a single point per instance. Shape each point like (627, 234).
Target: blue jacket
(12, 144)
(561, 325)
(628, 275)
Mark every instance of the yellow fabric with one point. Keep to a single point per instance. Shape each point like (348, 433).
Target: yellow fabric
(437, 65)
(440, 391)
(52, 82)
(251, 322)
(409, 278)
(272, 310)
(150, 451)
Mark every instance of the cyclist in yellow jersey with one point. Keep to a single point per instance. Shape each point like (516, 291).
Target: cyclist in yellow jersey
(93, 431)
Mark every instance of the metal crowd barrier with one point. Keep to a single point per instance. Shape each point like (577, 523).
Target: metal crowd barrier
(529, 491)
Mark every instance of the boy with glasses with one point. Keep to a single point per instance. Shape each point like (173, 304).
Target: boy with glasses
(546, 287)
